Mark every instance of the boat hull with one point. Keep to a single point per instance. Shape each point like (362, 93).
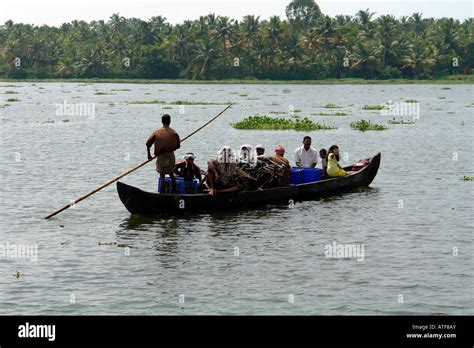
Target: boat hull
(140, 202)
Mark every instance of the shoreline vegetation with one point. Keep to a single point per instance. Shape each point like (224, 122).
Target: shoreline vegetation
(453, 79)
(304, 45)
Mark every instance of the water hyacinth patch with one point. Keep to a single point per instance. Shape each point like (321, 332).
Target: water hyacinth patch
(400, 121)
(13, 100)
(331, 106)
(373, 107)
(364, 125)
(337, 113)
(467, 178)
(178, 102)
(268, 123)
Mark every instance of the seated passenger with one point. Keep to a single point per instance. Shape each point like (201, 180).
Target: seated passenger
(260, 151)
(248, 159)
(187, 169)
(324, 162)
(334, 169)
(221, 172)
(280, 159)
(306, 155)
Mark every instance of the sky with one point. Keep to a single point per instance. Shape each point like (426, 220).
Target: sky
(56, 12)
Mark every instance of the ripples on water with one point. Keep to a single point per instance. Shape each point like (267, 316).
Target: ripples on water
(245, 261)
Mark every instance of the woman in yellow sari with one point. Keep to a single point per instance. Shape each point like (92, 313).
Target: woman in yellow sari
(334, 168)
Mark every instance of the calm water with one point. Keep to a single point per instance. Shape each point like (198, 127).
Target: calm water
(415, 221)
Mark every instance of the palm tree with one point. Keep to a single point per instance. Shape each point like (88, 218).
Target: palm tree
(249, 28)
(204, 56)
(417, 22)
(386, 32)
(364, 19)
(420, 59)
(223, 30)
(364, 58)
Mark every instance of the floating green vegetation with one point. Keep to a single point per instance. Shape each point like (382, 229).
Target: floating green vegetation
(10, 86)
(373, 107)
(119, 245)
(451, 112)
(286, 91)
(49, 121)
(10, 92)
(337, 113)
(66, 120)
(103, 93)
(278, 112)
(185, 102)
(148, 102)
(269, 123)
(364, 125)
(167, 107)
(400, 121)
(243, 94)
(411, 101)
(13, 100)
(17, 274)
(120, 90)
(446, 88)
(467, 178)
(331, 106)
(5, 106)
(178, 102)
(441, 97)
(296, 110)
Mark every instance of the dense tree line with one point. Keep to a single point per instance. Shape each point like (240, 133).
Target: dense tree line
(306, 45)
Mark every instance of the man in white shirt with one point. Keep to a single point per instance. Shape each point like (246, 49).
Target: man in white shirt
(306, 156)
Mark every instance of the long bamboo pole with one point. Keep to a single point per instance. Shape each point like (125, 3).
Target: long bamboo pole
(77, 200)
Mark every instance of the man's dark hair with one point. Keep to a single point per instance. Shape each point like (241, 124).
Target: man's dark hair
(306, 137)
(166, 119)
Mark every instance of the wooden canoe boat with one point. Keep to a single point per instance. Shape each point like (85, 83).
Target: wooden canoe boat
(140, 202)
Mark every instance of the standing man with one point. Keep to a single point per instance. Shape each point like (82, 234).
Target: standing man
(166, 141)
(306, 156)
